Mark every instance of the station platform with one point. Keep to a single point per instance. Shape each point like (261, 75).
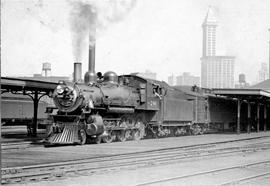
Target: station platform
(40, 155)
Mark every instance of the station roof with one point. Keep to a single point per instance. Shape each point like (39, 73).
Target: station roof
(19, 84)
(265, 85)
(250, 94)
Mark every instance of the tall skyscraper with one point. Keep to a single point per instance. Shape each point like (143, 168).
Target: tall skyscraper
(263, 72)
(209, 34)
(216, 71)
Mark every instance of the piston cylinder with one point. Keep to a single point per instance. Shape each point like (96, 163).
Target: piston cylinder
(95, 125)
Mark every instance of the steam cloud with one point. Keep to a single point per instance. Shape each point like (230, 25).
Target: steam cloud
(44, 12)
(87, 17)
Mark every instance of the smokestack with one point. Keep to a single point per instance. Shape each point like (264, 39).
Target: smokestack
(77, 76)
(92, 56)
(90, 76)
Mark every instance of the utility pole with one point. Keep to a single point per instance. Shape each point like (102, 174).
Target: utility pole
(269, 51)
(0, 106)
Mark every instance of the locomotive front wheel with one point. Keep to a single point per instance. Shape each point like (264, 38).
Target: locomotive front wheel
(97, 140)
(122, 136)
(110, 138)
(82, 137)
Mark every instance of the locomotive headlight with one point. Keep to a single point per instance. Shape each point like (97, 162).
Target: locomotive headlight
(66, 97)
(59, 89)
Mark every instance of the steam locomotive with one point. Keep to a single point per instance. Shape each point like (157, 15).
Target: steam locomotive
(118, 108)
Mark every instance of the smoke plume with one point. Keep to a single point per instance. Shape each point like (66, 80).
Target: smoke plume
(47, 13)
(85, 18)
(88, 17)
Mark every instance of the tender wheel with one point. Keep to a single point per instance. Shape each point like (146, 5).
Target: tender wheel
(203, 129)
(136, 135)
(122, 136)
(196, 130)
(82, 137)
(180, 131)
(110, 138)
(140, 124)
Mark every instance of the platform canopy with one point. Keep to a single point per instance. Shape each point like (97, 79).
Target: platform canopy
(34, 88)
(249, 94)
(20, 84)
(258, 97)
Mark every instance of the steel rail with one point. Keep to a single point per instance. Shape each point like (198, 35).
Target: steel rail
(17, 145)
(245, 179)
(211, 172)
(46, 171)
(176, 152)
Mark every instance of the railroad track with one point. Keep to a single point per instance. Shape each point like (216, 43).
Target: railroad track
(19, 145)
(122, 161)
(216, 172)
(29, 144)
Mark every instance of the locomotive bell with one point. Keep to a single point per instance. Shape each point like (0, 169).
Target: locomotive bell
(90, 77)
(110, 77)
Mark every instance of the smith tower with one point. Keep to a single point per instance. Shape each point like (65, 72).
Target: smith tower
(209, 34)
(216, 71)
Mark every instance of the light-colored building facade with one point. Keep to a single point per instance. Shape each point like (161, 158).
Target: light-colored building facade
(187, 79)
(172, 80)
(263, 72)
(216, 71)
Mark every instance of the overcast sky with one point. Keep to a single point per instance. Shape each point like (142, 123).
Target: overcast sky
(157, 35)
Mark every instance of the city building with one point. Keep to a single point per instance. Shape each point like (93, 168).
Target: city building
(147, 74)
(216, 71)
(263, 72)
(172, 80)
(242, 82)
(187, 79)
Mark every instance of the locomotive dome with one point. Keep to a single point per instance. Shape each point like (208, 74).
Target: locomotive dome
(89, 77)
(111, 77)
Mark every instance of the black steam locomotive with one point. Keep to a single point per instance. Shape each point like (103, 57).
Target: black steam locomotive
(118, 108)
